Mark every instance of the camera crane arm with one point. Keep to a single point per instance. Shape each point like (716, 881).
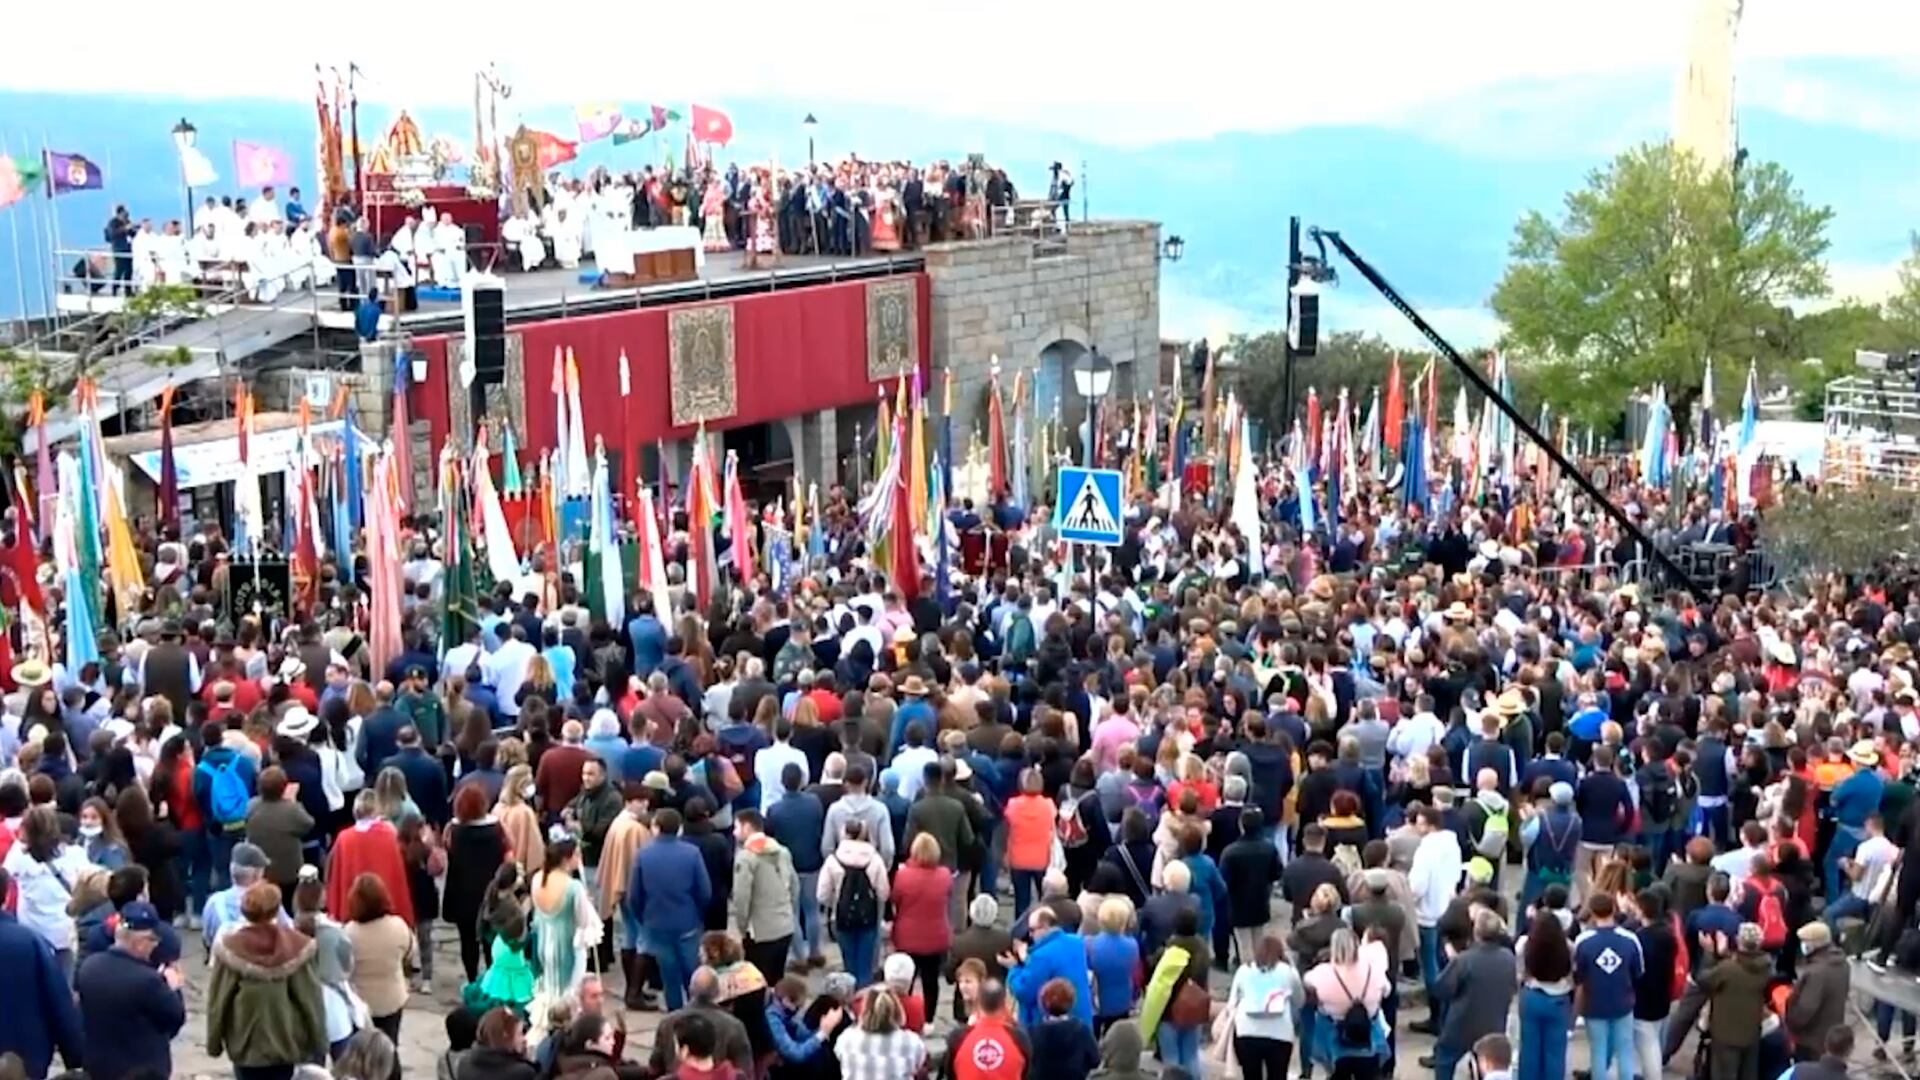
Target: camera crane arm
(1480, 383)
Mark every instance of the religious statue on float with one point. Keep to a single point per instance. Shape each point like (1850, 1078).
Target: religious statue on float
(885, 227)
(713, 212)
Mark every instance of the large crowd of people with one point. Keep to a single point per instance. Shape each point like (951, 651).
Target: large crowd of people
(1199, 799)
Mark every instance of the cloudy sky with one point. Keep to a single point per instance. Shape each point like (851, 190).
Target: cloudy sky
(1215, 65)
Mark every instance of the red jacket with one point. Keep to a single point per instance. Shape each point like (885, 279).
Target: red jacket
(992, 1048)
(920, 909)
(368, 848)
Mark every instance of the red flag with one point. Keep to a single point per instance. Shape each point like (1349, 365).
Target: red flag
(1396, 406)
(553, 149)
(1313, 425)
(739, 526)
(22, 564)
(905, 557)
(169, 472)
(306, 555)
(711, 125)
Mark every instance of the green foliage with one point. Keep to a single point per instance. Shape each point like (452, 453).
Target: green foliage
(1903, 307)
(1655, 267)
(1838, 530)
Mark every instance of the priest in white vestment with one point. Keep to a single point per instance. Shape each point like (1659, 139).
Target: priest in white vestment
(566, 239)
(170, 256)
(521, 233)
(146, 263)
(264, 211)
(405, 243)
(396, 270)
(449, 252)
(204, 253)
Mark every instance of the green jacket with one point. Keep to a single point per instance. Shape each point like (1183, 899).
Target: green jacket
(263, 1004)
(595, 809)
(426, 714)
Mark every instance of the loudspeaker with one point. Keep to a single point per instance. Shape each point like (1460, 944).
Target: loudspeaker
(483, 311)
(1303, 325)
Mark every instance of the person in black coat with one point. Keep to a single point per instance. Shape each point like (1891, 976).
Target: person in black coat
(1251, 868)
(716, 851)
(129, 1010)
(426, 778)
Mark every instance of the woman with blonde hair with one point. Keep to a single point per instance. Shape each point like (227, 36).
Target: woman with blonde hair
(1354, 973)
(880, 1047)
(1313, 937)
(390, 794)
(539, 683)
(519, 821)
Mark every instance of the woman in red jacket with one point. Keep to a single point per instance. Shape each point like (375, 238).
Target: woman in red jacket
(920, 890)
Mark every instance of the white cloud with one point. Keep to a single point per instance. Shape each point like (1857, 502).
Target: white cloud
(1081, 65)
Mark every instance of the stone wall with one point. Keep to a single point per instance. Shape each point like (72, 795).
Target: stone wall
(1014, 296)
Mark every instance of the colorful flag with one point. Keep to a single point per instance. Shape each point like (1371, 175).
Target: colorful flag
(631, 131)
(18, 177)
(384, 583)
(461, 604)
(579, 475)
(1396, 414)
(196, 170)
(653, 559)
(73, 172)
(1749, 407)
(996, 434)
(710, 125)
(503, 562)
(605, 584)
(917, 457)
(700, 510)
(402, 471)
(551, 149)
(257, 165)
(662, 116)
(597, 120)
(738, 525)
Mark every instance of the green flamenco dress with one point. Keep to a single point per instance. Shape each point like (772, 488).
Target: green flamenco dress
(509, 978)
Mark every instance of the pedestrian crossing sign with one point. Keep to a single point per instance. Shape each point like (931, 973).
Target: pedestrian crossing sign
(1089, 506)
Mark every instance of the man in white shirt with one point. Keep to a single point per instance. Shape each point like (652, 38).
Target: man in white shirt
(170, 255)
(770, 763)
(506, 668)
(1417, 734)
(146, 264)
(204, 253)
(521, 233)
(910, 764)
(1434, 880)
(406, 242)
(567, 238)
(1869, 869)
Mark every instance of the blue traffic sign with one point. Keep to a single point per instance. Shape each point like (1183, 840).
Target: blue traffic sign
(1089, 506)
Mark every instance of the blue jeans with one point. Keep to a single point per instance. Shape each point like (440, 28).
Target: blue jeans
(1179, 1046)
(1847, 907)
(1883, 1015)
(635, 938)
(677, 955)
(1026, 885)
(1445, 1060)
(1846, 840)
(220, 845)
(1545, 1021)
(1610, 1044)
(856, 952)
(806, 938)
(195, 862)
(1430, 971)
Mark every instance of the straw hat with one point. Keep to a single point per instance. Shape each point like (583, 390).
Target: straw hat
(1864, 753)
(31, 674)
(914, 686)
(1458, 612)
(1510, 703)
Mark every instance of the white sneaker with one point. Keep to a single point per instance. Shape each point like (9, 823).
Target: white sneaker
(193, 923)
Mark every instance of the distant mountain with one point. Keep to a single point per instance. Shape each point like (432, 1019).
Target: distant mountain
(1431, 203)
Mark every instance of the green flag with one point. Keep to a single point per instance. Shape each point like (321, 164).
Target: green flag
(460, 610)
(18, 178)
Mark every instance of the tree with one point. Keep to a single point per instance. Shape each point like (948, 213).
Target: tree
(1838, 530)
(1903, 307)
(1655, 267)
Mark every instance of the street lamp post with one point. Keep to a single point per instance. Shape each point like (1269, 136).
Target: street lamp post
(1173, 248)
(809, 125)
(1092, 377)
(184, 134)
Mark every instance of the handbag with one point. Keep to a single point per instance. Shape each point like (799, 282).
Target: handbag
(1191, 1005)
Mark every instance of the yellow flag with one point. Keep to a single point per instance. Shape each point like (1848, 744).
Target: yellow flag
(917, 462)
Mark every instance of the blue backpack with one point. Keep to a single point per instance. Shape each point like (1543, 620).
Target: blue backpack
(227, 794)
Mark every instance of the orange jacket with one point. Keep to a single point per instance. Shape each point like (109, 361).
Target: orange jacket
(1030, 821)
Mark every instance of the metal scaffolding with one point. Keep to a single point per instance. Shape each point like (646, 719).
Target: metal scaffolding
(1873, 431)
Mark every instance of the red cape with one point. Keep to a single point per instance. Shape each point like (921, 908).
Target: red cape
(373, 850)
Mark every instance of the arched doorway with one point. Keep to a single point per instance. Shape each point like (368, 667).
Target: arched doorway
(1054, 396)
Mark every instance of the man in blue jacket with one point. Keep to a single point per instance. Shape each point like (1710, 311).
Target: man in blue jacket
(39, 1017)
(129, 1009)
(669, 896)
(796, 820)
(648, 637)
(426, 779)
(1057, 953)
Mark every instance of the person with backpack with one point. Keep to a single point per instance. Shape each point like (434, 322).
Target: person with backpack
(1763, 902)
(1489, 823)
(1659, 791)
(1607, 963)
(1551, 837)
(1032, 823)
(1348, 1035)
(853, 888)
(223, 787)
